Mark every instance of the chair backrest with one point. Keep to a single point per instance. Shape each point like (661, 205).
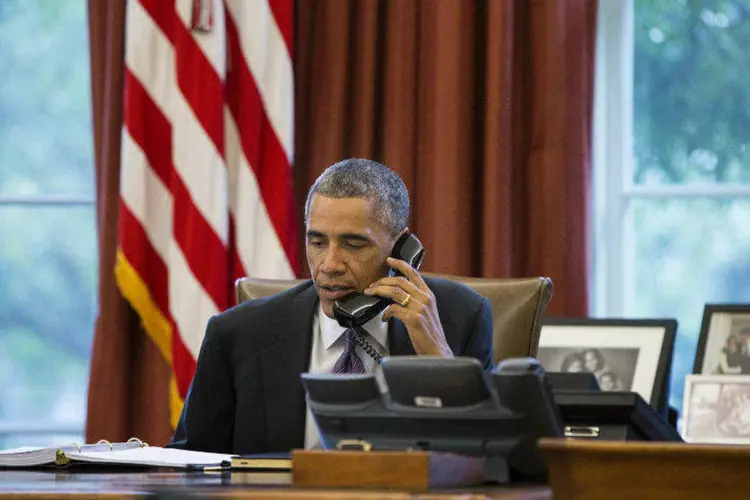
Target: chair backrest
(254, 288)
(518, 307)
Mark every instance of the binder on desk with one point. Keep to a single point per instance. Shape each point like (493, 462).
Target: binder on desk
(134, 452)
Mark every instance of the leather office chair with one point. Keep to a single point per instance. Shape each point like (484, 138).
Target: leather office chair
(518, 307)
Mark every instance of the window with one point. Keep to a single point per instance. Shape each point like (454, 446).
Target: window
(48, 260)
(672, 163)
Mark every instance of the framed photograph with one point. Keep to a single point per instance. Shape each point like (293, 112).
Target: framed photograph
(624, 354)
(716, 409)
(724, 342)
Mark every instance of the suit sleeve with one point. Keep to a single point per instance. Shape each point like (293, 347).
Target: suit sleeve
(207, 419)
(479, 341)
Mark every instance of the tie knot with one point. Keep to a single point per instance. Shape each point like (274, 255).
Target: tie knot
(351, 338)
(349, 362)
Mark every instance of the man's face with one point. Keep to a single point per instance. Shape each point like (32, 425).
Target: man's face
(346, 247)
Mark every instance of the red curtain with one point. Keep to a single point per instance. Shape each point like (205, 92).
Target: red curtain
(484, 108)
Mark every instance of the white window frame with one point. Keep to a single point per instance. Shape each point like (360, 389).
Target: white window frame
(59, 201)
(614, 189)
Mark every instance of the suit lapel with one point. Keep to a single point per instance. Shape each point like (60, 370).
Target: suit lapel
(282, 362)
(399, 343)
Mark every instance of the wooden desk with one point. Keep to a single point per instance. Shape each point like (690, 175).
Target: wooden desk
(593, 470)
(69, 485)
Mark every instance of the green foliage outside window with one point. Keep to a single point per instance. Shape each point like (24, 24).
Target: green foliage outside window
(691, 91)
(691, 117)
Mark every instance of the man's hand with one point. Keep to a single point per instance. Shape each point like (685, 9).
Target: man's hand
(416, 308)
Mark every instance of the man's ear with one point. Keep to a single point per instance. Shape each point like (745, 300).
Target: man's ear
(398, 235)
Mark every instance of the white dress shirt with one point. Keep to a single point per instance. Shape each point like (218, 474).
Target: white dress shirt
(327, 347)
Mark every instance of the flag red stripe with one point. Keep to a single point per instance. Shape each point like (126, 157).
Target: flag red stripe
(236, 270)
(260, 144)
(197, 79)
(201, 85)
(164, 15)
(148, 127)
(143, 258)
(202, 248)
(203, 91)
(146, 262)
(283, 12)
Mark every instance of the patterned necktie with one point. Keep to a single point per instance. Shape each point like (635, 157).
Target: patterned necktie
(349, 362)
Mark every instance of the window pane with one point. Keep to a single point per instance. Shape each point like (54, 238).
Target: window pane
(691, 91)
(687, 252)
(48, 264)
(45, 111)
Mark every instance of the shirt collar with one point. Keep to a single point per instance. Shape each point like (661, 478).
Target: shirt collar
(331, 331)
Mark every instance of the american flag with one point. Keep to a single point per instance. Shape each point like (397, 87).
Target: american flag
(206, 185)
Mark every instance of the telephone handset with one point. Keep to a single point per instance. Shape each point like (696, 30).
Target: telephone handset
(356, 309)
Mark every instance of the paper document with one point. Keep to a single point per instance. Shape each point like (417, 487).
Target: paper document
(153, 456)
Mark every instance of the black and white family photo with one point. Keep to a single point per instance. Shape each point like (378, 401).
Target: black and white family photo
(624, 354)
(614, 368)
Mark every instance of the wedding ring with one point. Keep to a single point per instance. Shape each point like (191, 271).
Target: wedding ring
(406, 300)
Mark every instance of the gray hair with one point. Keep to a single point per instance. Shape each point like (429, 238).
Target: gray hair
(368, 179)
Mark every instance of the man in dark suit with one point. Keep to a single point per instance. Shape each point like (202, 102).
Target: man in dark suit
(246, 395)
